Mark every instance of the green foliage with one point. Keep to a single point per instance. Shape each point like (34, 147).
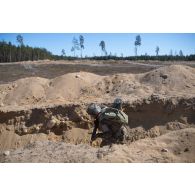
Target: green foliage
(146, 58)
(19, 39)
(138, 40)
(137, 43)
(103, 47)
(75, 45)
(157, 50)
(63, 52)
(12, 53)
(181, 53)
(81, 42)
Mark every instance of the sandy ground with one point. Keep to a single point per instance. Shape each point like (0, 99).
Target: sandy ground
(174, 80)
(45, 119)
(172, 147)
(51, 69)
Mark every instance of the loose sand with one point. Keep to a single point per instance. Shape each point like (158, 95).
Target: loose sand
(45, 120)
(175, 80)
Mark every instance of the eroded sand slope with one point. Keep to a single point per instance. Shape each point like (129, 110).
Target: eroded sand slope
(174, 80)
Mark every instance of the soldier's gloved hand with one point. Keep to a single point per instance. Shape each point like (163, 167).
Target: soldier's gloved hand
(92, 139)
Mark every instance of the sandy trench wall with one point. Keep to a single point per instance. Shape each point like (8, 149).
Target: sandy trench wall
(147, 118)
(158, 112)
(19, 128)
(39, 120)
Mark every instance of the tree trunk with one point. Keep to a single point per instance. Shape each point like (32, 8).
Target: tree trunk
(20, 54)
(10, 55)
(136, 51)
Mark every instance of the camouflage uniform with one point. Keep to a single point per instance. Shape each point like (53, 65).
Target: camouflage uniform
(118, 131)
(109, 119)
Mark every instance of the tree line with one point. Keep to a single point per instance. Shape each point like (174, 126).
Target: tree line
(145, 57)
(13, 53)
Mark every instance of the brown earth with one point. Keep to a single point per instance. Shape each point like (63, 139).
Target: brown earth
(51, 69)
(176, 146)
(38, 113)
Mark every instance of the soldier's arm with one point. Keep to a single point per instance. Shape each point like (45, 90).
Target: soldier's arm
(94, 130)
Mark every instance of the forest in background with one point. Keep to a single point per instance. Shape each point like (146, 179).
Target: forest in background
(12, 53)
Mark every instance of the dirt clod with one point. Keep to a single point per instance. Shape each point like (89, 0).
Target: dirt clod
(164, 150)
(7, 153)
(186, 150)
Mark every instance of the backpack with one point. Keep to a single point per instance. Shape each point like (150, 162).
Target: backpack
(113, 115)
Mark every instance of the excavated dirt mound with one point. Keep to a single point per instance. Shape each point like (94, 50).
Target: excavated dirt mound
(53, 114)
(35, 90)
(175, 80)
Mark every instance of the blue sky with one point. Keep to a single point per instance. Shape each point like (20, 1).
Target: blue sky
(115, 42)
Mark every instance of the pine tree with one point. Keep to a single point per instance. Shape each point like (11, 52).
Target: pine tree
(137, 43)
(81, 42)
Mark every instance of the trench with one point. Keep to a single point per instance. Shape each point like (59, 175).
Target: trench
(70, 123)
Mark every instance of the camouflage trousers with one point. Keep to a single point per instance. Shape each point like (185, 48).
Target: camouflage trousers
(118, 131)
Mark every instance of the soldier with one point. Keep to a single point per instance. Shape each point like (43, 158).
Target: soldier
(109, 119)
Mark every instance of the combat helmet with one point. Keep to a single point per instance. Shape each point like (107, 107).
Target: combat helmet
(117, 103)
(93, 109)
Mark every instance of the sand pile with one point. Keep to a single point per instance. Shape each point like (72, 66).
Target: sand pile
(25, 91)
(174, 80)
(69, 86)
(35, 90)
(176, 146)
